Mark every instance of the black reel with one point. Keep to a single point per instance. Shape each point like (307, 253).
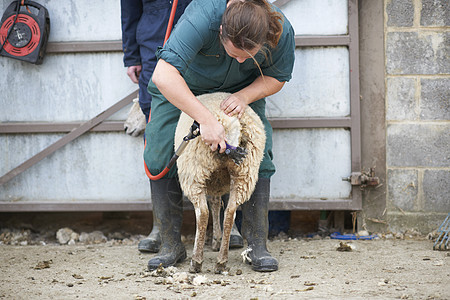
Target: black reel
(26, 26)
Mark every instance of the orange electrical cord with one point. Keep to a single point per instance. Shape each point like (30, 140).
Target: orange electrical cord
(169, 29)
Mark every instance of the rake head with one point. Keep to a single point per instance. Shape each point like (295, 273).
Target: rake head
(441, 242)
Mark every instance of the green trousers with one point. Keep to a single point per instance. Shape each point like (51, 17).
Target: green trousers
(160, 133)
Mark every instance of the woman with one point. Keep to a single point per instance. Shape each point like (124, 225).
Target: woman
(242, 47)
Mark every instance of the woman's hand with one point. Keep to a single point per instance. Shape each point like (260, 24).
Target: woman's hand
(234, 105)
(213, 134)
(165, 77)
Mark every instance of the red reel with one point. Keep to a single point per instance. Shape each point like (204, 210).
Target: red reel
(29, 27)
(25, 37)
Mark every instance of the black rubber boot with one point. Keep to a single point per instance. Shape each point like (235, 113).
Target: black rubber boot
(255, 228)
(236, 240)
(152, 243)
(168, 210)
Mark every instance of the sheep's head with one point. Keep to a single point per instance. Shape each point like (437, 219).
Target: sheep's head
(237, 154)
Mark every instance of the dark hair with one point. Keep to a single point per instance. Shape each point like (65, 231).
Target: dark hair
(251, 23)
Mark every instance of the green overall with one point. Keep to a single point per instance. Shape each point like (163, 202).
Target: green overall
(195, 50)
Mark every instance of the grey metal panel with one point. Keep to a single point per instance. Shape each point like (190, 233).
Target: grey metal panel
(311, 163)
(94, 167)
(84, 20)
(65, 88)
(320, 85)
(317, 17)
(66, 139)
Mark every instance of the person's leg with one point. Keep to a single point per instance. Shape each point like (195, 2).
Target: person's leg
(255, 222)
(166, 192)
(167, 203)
(152, 242)
(255, 227)
(160, 134)
(151, 36)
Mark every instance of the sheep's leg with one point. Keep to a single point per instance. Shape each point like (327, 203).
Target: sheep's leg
(201, 216)
(228, 220)
(216, 203)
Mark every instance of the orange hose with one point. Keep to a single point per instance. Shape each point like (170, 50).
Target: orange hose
(171, 18)
(155, 177)
(169, 29)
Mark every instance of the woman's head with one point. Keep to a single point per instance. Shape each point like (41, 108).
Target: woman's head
(249, 25)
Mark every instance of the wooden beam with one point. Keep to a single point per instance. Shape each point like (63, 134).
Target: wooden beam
(77, 47)
(97, 206)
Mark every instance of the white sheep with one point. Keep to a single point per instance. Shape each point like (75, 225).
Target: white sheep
(135, 122)
(203, 172)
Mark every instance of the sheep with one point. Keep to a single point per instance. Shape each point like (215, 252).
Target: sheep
(135, 122)
(203, 172)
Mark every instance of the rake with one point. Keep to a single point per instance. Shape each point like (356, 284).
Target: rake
(442, 240)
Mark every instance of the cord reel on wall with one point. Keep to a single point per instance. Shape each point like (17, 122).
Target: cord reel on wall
(24, 31)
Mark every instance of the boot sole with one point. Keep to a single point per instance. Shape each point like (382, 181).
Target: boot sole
(149, 245)
(179, 259)
(271, 268)
(149, 249)
(236, 242)
(262, 268)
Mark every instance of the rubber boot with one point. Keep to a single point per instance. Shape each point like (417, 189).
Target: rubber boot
(236, 240)
(255, 228)
(168, 210)
(151, 243)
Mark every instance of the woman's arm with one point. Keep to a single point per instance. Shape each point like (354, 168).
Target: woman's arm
(258, 89)
(171, 84)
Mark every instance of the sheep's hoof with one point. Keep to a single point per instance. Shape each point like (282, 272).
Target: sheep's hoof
(220, 268)
(195, 267)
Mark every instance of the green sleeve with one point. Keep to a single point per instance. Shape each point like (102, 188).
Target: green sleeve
(280, 62)
(190, 35)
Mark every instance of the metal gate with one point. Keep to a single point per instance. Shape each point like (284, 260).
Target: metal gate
(316, 120)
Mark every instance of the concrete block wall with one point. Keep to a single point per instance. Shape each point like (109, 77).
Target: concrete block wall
(417, 50)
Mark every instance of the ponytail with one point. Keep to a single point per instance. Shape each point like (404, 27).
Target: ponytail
(251, 23)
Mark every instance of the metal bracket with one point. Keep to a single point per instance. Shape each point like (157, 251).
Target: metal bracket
(363, 179)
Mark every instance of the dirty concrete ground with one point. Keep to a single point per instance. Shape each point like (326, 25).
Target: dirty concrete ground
(392, 267)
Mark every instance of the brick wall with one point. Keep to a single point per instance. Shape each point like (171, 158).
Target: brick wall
(417, 45)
